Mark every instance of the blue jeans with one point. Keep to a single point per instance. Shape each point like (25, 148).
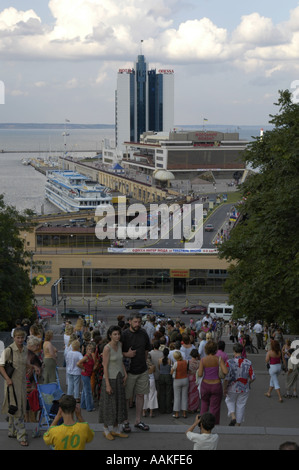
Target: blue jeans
(86, 395)
(73, 385)
(274, 372)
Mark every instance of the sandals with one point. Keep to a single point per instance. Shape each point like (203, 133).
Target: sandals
(126, 428)
(118, 434)
(108, 436)
(24, 443)
(142, 426)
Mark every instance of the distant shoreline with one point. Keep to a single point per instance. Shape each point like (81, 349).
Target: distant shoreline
(16, 125)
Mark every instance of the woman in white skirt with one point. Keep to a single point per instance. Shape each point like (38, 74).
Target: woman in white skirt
(179, 373)
(151, 399)
(237, 385)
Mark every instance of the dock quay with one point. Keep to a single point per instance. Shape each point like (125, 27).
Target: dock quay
(46, 151)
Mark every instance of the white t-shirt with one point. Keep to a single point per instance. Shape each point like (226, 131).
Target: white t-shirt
(257, 328)
(187, 351)
(66, 340)
(201, 348)
(170, 355)
(71, 360)
(208, 319)
(203, 441)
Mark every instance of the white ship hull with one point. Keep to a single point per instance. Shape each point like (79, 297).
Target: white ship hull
(72, 192)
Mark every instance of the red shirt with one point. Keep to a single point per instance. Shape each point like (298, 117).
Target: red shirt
(88, 366)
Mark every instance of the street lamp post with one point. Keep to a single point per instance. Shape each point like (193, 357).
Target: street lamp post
(54, 294)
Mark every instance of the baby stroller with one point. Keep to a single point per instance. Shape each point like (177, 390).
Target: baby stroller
(48, 394)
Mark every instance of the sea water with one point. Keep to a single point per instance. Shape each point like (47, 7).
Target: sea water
(23, 186)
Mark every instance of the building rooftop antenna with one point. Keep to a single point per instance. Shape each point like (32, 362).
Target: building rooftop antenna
(141, 47)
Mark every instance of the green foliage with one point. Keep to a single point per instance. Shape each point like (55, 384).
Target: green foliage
(263, 279)
(3, 326)
(16, 294)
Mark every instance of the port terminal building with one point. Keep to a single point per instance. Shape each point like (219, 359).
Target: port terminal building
(89, 269)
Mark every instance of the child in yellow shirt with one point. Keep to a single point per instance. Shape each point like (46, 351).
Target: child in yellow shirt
(71, 435)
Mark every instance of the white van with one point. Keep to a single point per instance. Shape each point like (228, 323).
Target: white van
(223, 311)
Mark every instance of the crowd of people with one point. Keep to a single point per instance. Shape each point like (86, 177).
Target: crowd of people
(155, 365)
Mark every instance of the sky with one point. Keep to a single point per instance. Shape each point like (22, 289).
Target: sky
(59, 58)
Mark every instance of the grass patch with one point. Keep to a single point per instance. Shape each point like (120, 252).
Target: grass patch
(234, 197)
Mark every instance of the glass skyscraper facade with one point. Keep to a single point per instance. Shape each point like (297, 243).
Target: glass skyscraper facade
(141, 98)
(144, 102)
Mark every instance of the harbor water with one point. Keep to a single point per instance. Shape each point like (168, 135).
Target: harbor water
(23, 186)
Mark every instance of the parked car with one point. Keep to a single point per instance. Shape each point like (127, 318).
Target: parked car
(209, 228)
(72, 313)
(194, 309)
(151, 311)
(148, 284)
(138, 304)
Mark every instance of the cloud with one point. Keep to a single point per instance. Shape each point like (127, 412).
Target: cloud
(258, 30)
(18, 93)
(20, 23)
(73, 83)
(10, 18)
(40, 84)
(194, 40)
(111, 30)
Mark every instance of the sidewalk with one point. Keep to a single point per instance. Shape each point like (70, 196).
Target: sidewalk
(268, 423)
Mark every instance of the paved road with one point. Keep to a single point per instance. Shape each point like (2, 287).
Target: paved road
(268, 423)
(172, 239)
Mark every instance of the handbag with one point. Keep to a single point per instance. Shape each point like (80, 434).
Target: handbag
(8, 366)
(220, 373)
(12, 409)
(33, 400)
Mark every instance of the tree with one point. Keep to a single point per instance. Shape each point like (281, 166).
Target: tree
(16, 293)
(263, 279)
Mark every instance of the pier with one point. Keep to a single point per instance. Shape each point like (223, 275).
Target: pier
(45, 151)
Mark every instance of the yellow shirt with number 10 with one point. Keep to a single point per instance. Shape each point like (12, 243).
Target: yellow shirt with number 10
(72, 437)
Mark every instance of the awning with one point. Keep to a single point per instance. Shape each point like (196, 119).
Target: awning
(43, 312)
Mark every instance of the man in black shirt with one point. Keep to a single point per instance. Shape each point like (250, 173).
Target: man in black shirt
(136, 345)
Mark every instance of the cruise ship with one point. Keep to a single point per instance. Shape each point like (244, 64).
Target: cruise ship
(73, 192)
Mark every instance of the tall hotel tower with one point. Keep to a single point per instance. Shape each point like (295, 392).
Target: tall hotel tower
(144, 101)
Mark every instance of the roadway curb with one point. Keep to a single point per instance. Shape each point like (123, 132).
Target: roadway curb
(181, 429)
